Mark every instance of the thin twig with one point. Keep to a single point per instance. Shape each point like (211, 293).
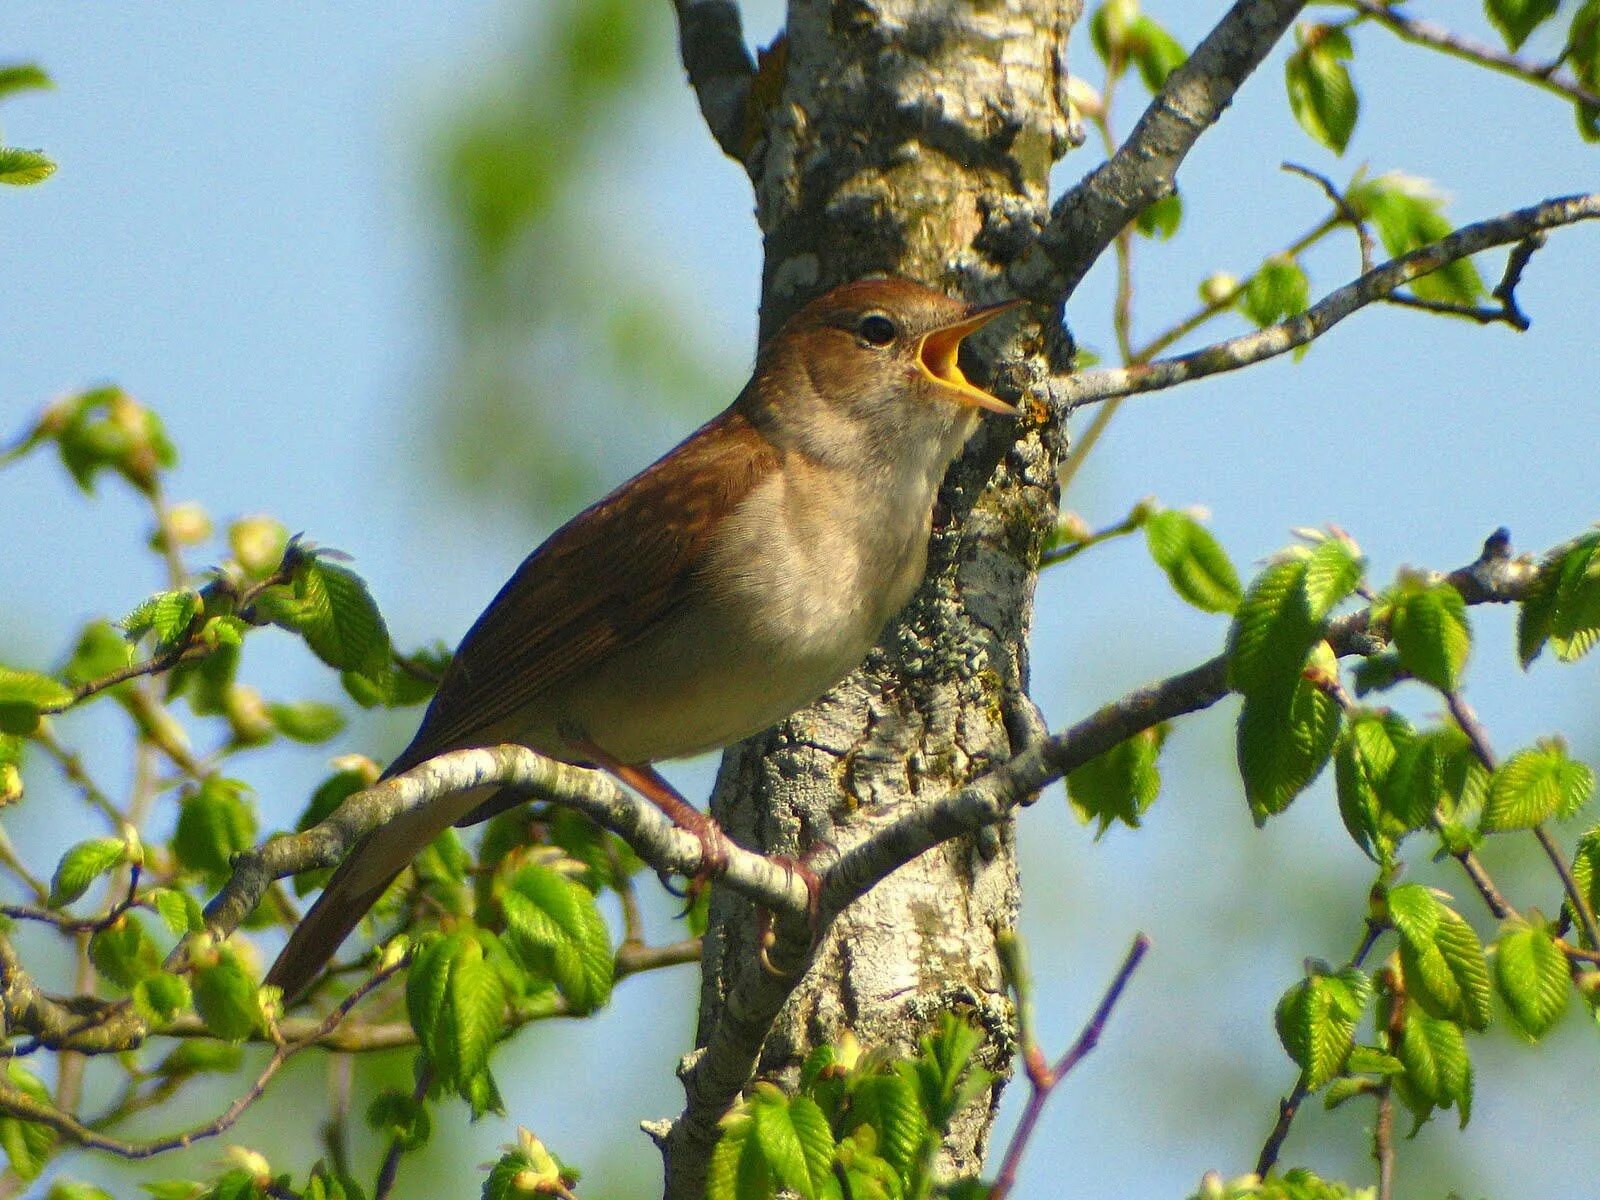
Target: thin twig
(1086, 387)
(1437, 37)
(1346, 210)
(720, 69)
(1075, 1053)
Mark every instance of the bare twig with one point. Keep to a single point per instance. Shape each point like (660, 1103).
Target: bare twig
(1144, 169)
(1346, 211)
(1088, 387)
(1437, 37)
(1045, 1084)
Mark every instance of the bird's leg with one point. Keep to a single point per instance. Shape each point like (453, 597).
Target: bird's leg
(647, 781)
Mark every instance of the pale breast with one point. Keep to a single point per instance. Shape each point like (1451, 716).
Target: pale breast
(800, 581)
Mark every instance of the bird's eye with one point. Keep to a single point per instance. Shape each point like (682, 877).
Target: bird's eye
(877, 329)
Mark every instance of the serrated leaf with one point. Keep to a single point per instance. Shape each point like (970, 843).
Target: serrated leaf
(27, 1144)
(554, 930)
(1438, 1070)
(1369, 1060)
(1574, 620)
(1435, 775)
(225, 997)
(1119, 785)
(398, 1115)
(1278, 290)
(775, 1135)
(816, 1143)
(1532, 977)
(1273, 629)
(179, 910)
(477, 1002)
(1431, 632)
(21, 167)
(166, 616)
(100, 650)
(889, 1104)
(1321, 94)
(330, 607)
(1283, 741)
(1442, 960)
(1535, 785)
(1195, 563)
(1408, 213)
(1333, 571)
(427, 996)
(1366, 755)
(738, 1171)
(82, 865)
(1316, 1031)
(1586, 874)
(1516, 19)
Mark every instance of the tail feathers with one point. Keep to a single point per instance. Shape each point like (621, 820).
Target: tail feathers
(323, 930)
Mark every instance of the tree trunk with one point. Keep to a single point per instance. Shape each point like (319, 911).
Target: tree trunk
(915, 139)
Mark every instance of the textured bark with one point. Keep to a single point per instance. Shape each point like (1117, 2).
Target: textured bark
(915, 139)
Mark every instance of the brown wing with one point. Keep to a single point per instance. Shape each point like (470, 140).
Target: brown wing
(594, 586)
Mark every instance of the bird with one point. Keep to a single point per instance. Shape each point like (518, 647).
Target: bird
(721, 589)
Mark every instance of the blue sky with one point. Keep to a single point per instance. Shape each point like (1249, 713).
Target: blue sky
(238, 235)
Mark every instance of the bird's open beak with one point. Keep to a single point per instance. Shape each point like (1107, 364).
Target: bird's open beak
(937, 356)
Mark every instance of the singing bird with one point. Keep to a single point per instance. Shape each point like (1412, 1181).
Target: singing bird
(716, 592)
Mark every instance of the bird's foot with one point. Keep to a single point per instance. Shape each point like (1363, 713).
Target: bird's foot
(766, 937)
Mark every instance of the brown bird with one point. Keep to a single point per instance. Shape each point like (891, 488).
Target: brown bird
(724, 587)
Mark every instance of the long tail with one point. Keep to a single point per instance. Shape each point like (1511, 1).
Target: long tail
(358, 883)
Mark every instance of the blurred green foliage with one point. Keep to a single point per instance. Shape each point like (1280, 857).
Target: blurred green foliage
(557, 328)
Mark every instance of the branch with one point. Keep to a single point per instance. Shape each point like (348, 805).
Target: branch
(1143, 170)
(1437, 37)
(720, 69)
(1523, 227)
(724, 1066)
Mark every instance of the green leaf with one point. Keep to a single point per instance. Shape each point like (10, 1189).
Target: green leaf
(1369, 1060)
(1586, 874)
(215, 822)
(1431, 633)
(816, 1143)
(889, 1104)
(1408, 213)
(19, 166)
(738, 1169)
(123, 953)
(168, 616)
(1273, 629)
(1365, 757)
(82, 865)
(772, 1125)
(27, 1144)
(306, 720)
(1195, 563)
(71, 1189)
(1333, 571)
(225, 996)
(19, 77)
(1440, 955)
(399, 1116)
(1438, 1070)
(1154, 51)
(1583, 56)
(197, 1056)
(1436, 775)
(1278, 290)
(555, 931)
(1120, 784)
(24, 695)
(1567, 593)
(1316, 1022)
(330, 607)
(1534, 785)
(160, 997)
(178, 909)
(1516, 19)
(1284, 739)
(1532, 977)
(1161, 219)
(477, 1002)
(100, 650)
(1321, 94)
